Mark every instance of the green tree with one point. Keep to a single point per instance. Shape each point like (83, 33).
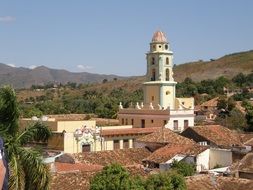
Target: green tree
(183, 168)
(113, 177)
(240, 79)
(249, 114)
(249, 118)
(178, 181)
(31, 111)
(165, 181)
(225, 106)
(220, 83)
(235, 120)
(27, 169)
(159, 182)
(137, 183)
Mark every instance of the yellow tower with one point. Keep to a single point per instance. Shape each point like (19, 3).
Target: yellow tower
(159, 88)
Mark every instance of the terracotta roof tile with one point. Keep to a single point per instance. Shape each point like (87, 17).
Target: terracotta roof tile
(73, 180)
(165, 136)
(124, 157)
(210, 182)
(210, 103)
(67, 167)
(166, 153)
(131, 131)
(245, 164)
(249, 142)
(245, 137)
(80, 180)
(219, 135)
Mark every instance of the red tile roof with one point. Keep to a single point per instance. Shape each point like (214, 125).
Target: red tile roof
(131, 131)
(164, 154)
(124, 157)
(249, 142)
(210, 182)
(73, 181)
(165, 136)
(210, 103)
(67, 167)
(80, 180)
(245, 164)
(217, 134)
(245, 137)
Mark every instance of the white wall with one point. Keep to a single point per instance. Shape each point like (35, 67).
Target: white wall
(212, 157)
(202, 161)
(117, 127)
(222, 157)
(180, 120)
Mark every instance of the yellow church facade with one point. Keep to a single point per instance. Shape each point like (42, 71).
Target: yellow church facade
(160, 107)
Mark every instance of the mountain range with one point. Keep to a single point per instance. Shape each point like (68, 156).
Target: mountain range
(228, 66)
(25, 78)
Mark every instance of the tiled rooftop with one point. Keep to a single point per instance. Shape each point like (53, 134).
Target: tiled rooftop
(209, 182)
(164, 154)
(165, 136)
(245, 137)
(219, 135)
(72, 180)
(124, 157)
(249, 142)
(80, 180)
(210, 103)
(131, 131)
(245, 164)
(67, 167)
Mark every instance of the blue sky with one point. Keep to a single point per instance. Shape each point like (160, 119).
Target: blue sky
(112, 37)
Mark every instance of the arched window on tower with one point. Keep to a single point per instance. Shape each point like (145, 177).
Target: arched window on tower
(167, 61)
(153, 61)
(167, 74)
(153, 75)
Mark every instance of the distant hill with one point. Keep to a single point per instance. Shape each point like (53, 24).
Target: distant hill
(25, 78)
(228, 66)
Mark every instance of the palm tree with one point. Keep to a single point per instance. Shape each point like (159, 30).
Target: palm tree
(27, 171)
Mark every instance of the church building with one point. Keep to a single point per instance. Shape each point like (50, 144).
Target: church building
(160, 107)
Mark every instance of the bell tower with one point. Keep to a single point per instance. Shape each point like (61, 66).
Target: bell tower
(159, 88)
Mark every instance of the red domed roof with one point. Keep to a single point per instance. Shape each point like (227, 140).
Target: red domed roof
(159, 37)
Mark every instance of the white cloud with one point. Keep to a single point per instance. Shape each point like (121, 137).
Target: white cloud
(84, 67)
(11, 65)
(32, 66)
(7, 18)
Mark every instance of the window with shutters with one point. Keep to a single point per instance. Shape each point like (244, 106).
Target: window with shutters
(175, 125)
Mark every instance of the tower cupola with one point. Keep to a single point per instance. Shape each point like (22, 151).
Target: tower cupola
(159, 37)
(159, 88)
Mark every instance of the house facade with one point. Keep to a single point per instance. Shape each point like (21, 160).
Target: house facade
(71, 135)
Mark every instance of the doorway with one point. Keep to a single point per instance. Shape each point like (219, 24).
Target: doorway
(143, 123)
(86, 148)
